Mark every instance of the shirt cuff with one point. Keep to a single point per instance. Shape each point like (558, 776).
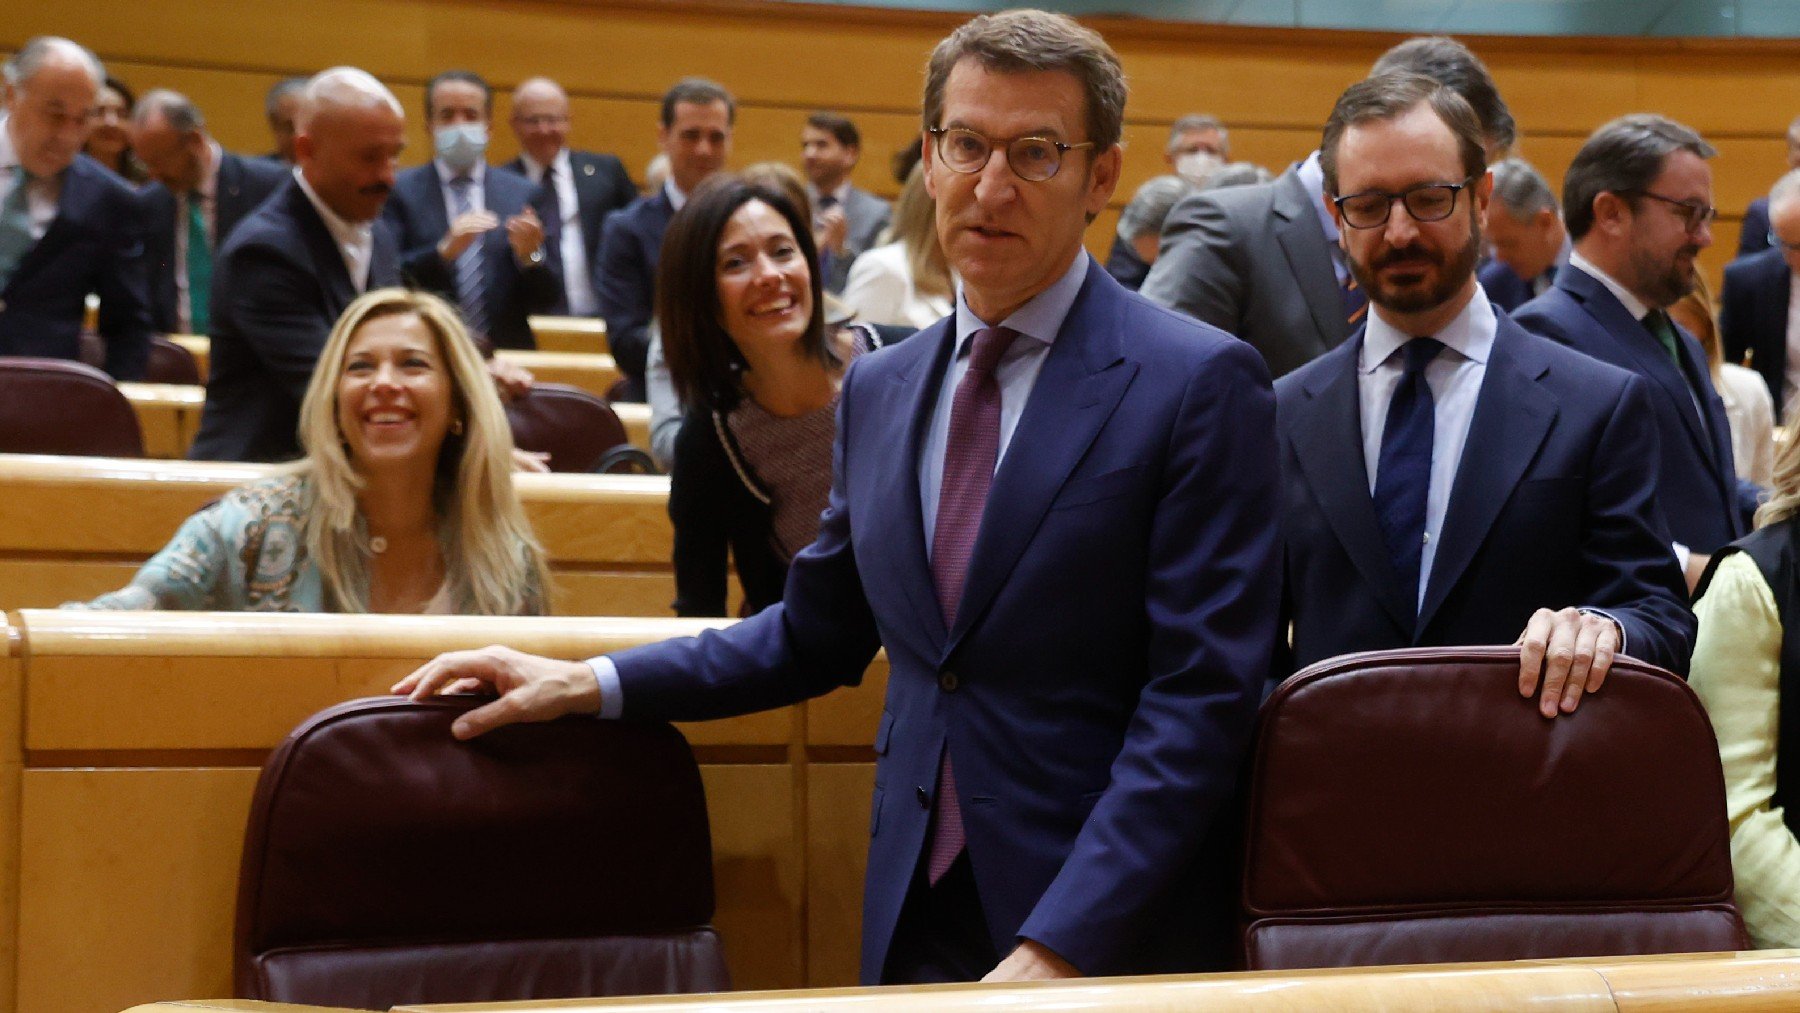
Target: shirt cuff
(1682, 553)
(1584, 611)
(612, 701)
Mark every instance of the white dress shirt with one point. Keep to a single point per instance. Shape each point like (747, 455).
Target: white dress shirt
(578, 285)
(355, 240)
(1454, 378)
(1792, 382)
(677, 196)
(209, 214)
(41, 199)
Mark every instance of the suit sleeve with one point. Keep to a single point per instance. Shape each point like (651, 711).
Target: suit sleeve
(419, 260)
(698, 507)
(123, 284)
(1631, 572)
(624, 282)
(540, 284)
(1210, 608)
(1200, 267)
(276, 309)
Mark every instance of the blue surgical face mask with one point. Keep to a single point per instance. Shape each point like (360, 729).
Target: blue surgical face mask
(461, 145)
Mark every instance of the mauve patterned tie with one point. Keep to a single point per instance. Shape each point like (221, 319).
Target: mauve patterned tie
(970, 451)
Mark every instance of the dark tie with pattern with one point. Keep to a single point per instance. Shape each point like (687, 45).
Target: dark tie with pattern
(553, 223)
(1658, 323)
(970, 452)
(471, 288)
(1403, 472)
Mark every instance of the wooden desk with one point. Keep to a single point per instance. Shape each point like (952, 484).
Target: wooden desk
(636, 417)
(75, 527)
(168, 415)
(590, 371)
(130, 745)
(200, 347)
(569, 334)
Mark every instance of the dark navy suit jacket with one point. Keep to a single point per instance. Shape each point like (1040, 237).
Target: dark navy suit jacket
(1097, 688)
(1505, 289)
(244, 183)
(1698, 487)
(1554, 505)
(625, 278)
(94, 244)
(1753, 232)
(601, 187)
(416, 213)
(279, 285)
(1753, 316)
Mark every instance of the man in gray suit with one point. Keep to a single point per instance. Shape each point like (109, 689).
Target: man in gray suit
(846, 220)
(1263, 262)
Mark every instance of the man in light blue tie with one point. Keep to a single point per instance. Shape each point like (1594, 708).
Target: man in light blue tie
(1051, 510)
(1448, 477)
(68, 227)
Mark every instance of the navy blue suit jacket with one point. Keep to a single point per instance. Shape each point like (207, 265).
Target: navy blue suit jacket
(625, 278)
(244, 183)
(94, 244)
(602, 186)
(1753, 316)
(416, 213)
(1097, 688)
(1698, 487)
(1554, 505)
(1505, 289)
(279, 285)
(1753, 232)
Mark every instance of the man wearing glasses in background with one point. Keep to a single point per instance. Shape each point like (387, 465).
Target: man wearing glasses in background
(1637, 201)
(1052, 509)
(1448, 477)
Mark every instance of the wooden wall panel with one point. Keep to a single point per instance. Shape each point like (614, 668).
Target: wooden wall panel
(837, 853)
(759, 872)
(12, 768)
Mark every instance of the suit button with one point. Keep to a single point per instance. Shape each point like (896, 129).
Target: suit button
(924, 797)
(948, 682)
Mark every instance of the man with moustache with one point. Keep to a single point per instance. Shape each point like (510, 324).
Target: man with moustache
(1638, 204)
(289, 269)
(1052, 510)
(1443, 444)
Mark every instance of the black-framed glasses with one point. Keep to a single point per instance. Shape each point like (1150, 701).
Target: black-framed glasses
(1694, 213)
(1427, 202)
(1033, 158)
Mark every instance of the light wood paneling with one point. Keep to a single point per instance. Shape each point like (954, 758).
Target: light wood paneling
(12, 768)
(593, 372)
(837, 853)
(759, 873)
(569, 334)
(168, 415)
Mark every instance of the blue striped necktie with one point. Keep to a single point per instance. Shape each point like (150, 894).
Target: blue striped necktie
(471, 286)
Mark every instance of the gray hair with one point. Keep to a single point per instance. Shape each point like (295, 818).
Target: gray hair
(1785, 189)
(1144, 214)
(280, 90)
(1198, 121)
(1521, 190)
(30, 58)
(177, 109)
(343, 88)
(1021, 41)
(1623, 157)
(1237, 174)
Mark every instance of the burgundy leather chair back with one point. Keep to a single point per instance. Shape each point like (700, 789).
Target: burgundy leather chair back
(171, 363)
(573, 426)
(387, 863)
(59, 406)
(1411, 807)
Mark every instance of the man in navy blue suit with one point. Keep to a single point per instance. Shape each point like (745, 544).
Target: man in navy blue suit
(1524, 228)
(68, 227)
(1076, 653)
(1756, 307)
(1753, 231)
(287, 272)
(697, 117)
(1424, 458)
(473, 234)
(199, 194)
(1638, 203)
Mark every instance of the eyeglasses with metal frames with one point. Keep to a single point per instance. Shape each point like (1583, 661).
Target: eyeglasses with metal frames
(1427, 202)
(1034, 159)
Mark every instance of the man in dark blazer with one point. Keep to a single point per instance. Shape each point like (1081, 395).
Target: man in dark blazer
(1525, 231)
(288, 271)
(582, 187)
(846, 218)
(695, 132)
(68, 227)
(1638, 202)
(1424, 458)
(473, 234)
(1753, 231)
(1074, 654)
(1755, 306)
(200, 192)
(1263, 261)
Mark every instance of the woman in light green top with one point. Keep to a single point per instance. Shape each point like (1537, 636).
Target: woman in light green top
(1746, 669)
(403, 503)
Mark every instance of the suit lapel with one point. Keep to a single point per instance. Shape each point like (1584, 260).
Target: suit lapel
(1326, 433)
(327, 259)
(434, 216)
(915, 390)
(1512, 417)
(1308, 256)
(71, 206)
(1082, 380)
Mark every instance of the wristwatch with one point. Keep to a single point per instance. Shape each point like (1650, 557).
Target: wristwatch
(536, 258)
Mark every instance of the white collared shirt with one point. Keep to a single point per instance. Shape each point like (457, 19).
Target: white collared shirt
(355, 240)
(1633, 305)
(45, 192)
(1454, 378)
(676, 196)
(209, 214)
(578, 286)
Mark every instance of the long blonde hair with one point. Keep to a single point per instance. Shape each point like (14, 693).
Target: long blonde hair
(492, 562)
(915, 229)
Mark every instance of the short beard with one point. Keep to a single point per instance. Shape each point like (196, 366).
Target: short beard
(1453, 274)
(1661, 283)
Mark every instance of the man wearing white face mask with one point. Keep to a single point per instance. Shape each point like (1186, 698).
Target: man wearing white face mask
(1198, 146)
(471, 232)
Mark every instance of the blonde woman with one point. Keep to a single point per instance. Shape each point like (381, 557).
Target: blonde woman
(907, 282)
(1746, 669)
(403, 503)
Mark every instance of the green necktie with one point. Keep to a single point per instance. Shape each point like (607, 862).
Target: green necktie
(1659, 325)
(15, 227)
(199, 268)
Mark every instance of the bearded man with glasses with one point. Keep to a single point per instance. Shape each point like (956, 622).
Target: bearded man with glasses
(1638, 204)
(1448, 477)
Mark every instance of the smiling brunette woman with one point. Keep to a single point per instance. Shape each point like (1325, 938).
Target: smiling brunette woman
(738, 301)
(403, 503)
